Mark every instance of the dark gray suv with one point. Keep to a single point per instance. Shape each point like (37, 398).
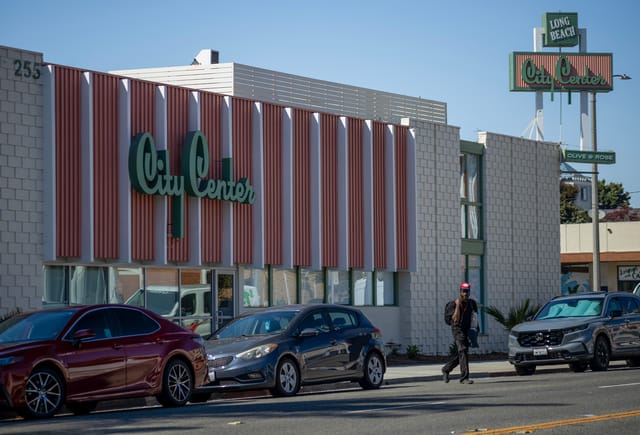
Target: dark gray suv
(584, 329)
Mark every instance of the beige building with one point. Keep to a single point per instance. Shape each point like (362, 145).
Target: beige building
(619, 255)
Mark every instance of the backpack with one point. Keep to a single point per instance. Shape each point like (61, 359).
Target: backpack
(449, 308)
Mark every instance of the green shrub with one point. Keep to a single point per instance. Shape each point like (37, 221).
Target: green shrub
(515, 315)
(412, 351)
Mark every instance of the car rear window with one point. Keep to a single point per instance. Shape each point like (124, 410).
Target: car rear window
(343, 320)
(133, 322)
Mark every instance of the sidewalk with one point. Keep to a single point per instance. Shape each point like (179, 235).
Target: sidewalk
(402, 373)
(433, 371)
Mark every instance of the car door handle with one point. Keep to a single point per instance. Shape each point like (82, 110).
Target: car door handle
(332, 342)
(117, 346)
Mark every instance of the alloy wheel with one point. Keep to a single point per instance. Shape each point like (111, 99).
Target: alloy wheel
(44, 394)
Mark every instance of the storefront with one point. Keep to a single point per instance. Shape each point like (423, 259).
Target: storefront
(201, 205)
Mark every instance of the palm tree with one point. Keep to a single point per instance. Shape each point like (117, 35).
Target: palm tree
(515, 316)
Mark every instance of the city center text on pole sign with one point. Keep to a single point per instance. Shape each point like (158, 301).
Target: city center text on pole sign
(560, 72)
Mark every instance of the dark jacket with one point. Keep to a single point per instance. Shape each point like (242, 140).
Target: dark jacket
(467, 309)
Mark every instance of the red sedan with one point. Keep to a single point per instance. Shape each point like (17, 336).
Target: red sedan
(78, 355)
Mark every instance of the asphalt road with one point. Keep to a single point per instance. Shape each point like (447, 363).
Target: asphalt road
(546, 403)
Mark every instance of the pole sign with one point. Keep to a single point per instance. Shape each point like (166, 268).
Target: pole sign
(599, 157)
(560, 29)
(560, 72)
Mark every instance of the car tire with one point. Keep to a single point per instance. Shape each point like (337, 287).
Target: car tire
(177, 384)
(287, 378)
(601, 355)
(525, 370)
(44, 394)
(578, 367)
(633, 362)
(373, 372)
(82, 408)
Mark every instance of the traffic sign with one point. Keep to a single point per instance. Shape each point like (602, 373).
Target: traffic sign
(600, 157)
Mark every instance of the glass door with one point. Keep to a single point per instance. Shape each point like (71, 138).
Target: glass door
(225, 296)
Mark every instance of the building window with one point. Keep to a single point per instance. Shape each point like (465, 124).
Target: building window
(255, 287)
(472, 246)
(79, 285)
(311, 286)
(629, 278)
(385, 288)
(470, 201)
(362, 288)
(338, 288)
(284, 286)
(278, 286)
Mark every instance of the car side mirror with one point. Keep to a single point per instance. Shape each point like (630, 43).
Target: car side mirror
(309, 332)
(616, 313)
(82, 335)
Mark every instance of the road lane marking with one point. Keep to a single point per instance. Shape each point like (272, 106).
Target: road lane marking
(413, 405)
(620, 385)
(557, 423)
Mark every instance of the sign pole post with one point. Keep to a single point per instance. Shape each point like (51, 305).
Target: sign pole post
(595, 218)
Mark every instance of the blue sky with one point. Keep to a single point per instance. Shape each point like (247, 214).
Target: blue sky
(456, 52)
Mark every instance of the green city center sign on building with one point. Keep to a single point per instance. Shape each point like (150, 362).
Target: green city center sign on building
(600, 157)
(560, 29)
(150, 174)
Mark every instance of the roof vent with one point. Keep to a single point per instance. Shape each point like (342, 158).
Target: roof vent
(206, 57)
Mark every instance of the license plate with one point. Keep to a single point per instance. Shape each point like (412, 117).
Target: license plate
(540, 351)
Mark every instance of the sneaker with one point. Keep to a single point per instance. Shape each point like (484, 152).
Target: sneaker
(466, 381)
(445, 377)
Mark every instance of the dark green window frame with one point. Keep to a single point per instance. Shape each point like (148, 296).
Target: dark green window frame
(473, 247)
(325, 272)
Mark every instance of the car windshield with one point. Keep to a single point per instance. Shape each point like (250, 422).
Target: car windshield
(163, 302)
(256, 324)
(579, 307)
(43, 325)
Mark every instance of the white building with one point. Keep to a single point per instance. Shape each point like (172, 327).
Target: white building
(462, 206)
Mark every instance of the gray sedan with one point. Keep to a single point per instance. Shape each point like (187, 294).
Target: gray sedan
(283, 347)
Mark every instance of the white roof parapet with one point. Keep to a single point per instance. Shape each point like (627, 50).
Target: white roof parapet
(297, 91)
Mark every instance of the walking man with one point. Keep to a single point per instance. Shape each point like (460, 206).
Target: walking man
(465, 307)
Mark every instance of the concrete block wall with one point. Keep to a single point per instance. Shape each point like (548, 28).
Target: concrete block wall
(521, 205)
(20, 179)
(438, 209)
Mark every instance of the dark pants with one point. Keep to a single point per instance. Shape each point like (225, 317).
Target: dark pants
(462, 358)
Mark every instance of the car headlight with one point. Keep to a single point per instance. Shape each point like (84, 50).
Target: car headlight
(575, 329)
(8, 360)
(257, 352)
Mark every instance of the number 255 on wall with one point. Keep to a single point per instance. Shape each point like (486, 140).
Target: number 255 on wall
(28, 69)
